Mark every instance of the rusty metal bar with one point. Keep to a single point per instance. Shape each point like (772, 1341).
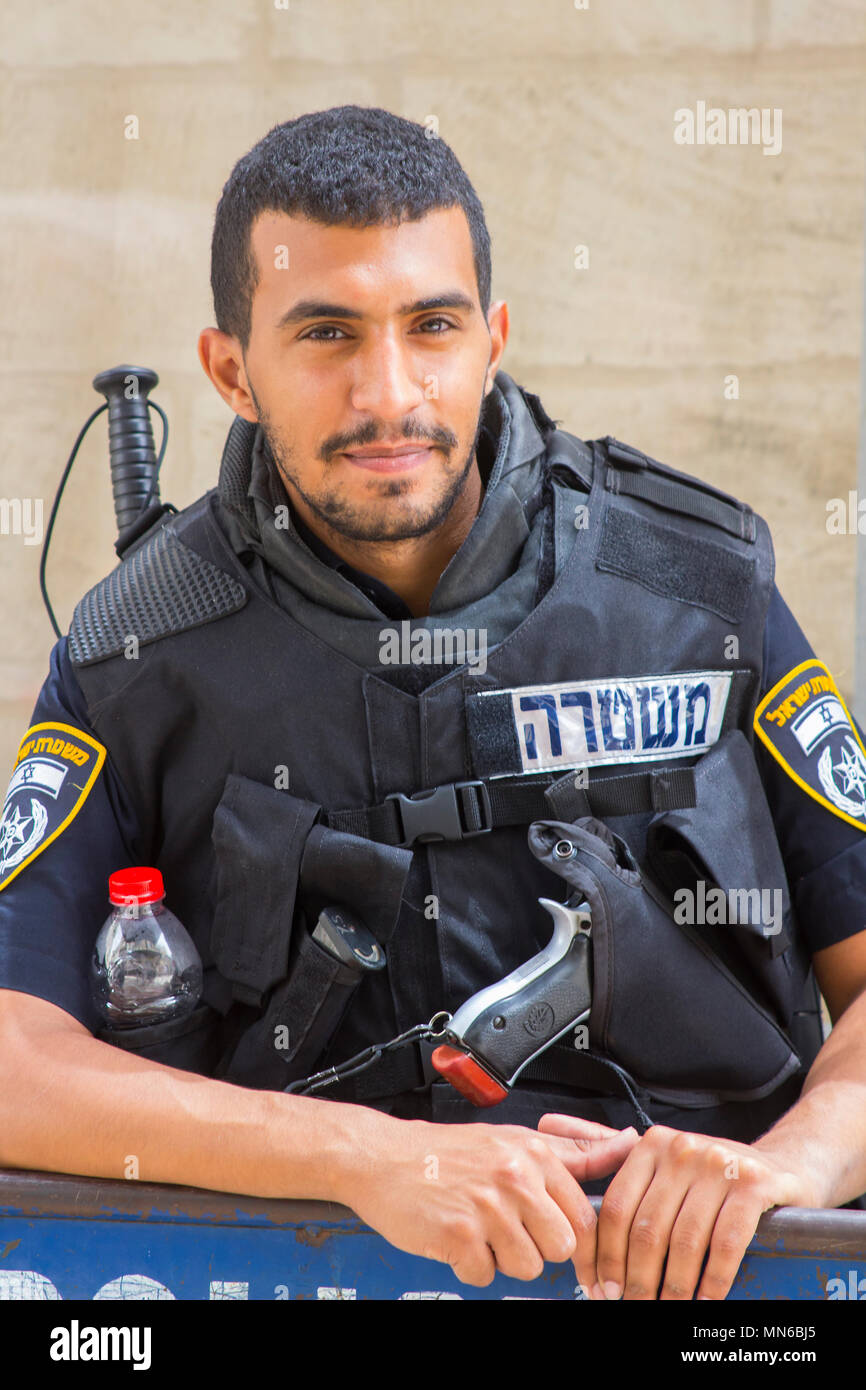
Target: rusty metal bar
(787, 1230)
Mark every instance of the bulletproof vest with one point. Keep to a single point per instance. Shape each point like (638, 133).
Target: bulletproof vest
(274, 776)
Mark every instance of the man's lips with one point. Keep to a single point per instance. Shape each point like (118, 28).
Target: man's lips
(409, 456)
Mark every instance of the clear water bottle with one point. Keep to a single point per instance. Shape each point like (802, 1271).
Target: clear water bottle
(145, 967)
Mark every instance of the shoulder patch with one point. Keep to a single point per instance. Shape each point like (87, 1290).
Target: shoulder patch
(805, 724)
(54, 772)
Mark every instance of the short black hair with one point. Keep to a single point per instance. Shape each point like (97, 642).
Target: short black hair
(354, 165)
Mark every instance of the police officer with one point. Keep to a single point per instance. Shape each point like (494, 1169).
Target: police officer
(408, 580)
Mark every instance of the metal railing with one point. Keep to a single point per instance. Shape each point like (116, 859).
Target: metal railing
(140, 1240)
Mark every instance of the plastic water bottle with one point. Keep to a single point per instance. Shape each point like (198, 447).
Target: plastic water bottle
(145, 967)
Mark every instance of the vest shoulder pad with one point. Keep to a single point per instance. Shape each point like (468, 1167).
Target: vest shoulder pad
(163, 587)
(570, 460)
(632, 473)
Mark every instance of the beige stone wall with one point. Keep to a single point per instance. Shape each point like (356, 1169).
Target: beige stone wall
(704, 260)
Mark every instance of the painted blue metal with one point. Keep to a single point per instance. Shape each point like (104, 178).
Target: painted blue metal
(69, 1238)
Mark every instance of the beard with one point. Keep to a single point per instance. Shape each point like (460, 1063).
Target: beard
(385, 517)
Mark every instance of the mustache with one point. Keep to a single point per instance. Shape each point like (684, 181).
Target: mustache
(425, 438)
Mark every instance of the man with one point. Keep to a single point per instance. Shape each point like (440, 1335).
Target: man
(263, 736)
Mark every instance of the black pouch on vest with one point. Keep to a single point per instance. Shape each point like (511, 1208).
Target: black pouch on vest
(664, 1006)
(190, 1044)
(276, 870)
(258, 838)
(301, 1015)
(720, 861)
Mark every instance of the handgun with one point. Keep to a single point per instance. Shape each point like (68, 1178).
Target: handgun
(499, 1030)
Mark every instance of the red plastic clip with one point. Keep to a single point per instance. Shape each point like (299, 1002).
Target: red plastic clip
(467, 1077)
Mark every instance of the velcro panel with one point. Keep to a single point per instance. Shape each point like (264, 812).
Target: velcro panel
(675, 565)
(492, 734)
(165, 587)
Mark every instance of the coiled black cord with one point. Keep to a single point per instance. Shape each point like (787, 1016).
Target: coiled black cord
(154, 489)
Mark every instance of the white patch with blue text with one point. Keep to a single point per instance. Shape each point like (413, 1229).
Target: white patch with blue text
(641, 719)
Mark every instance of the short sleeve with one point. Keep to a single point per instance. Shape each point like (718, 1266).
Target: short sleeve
(824, 848)
(67, 824)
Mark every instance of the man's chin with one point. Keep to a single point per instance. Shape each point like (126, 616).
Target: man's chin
(383, 527)
(395, 518)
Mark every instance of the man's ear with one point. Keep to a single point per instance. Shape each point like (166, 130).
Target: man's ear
(222, 360)
(497, 323)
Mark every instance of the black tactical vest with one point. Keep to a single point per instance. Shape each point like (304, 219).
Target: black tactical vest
(273, 776)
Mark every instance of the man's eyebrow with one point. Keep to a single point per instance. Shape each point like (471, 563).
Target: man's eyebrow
(321, 309)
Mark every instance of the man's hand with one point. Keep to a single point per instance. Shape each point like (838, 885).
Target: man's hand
(675, 1196)
(485, 1198)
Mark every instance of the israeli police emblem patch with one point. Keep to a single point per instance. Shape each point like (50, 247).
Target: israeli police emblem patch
(54, 771)
(805, 724)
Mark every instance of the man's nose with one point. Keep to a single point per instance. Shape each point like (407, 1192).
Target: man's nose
(386, 382)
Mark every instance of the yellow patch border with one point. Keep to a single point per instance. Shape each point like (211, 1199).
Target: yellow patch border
(86, 790)
(816, 796)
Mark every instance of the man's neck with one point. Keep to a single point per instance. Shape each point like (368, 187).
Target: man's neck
(410, 567)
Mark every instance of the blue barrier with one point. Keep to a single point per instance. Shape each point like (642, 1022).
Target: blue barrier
(64, 1237)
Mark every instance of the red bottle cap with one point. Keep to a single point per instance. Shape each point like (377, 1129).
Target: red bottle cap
(467, 1077)
(140, 885)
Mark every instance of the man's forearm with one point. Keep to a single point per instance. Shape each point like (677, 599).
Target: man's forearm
(824, 1134)
(72, 1104)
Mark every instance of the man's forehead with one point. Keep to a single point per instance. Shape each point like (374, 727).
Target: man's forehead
(294, 252)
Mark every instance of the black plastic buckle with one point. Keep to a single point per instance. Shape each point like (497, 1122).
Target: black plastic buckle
(435, 814)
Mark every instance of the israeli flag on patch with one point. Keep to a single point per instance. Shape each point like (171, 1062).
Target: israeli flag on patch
(577, 724)
(44, 773)
(817, 722)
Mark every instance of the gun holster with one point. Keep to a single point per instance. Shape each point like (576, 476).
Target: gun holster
(696, 1014)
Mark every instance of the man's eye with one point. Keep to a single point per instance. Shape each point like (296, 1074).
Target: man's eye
(324, 328)
(314, 333)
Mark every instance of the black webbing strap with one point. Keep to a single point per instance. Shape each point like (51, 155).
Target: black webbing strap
(662, 789)
(408, 1070)
(380, 822)
(459, 810)
(677, 497)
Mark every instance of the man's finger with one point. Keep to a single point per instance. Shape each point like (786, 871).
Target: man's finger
(649, 1237)
(587, 1158)
(618, 1206)
(573, 1127)
(690, 1239)
(579, 1212)
(735, 1225)
(522, 1243)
